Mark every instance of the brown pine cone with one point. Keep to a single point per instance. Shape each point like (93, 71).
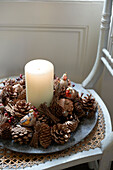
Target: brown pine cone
(42, 118)
(60, 133)
(22, 95)
(8, 94)
(78, 106)
(67, 106)
(1, 107)
(56, 109)
(89, 106)
(5, 131)
(22, 82)
(56, 82)
(3, 119)
(22, 108)
(45, 135)
(9, 82)
(18, 88)
(21, 135)
(72, 125)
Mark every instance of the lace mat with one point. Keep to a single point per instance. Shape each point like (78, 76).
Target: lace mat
(10, 159)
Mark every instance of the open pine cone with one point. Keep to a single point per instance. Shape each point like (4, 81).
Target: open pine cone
(21, 135)
(45, 135)
(5, 131)
(89, 105)
(9, 82)
(78, 106)
(22, 108)
(60, 133)
(42, 118)
(8, 93)
(72, 125)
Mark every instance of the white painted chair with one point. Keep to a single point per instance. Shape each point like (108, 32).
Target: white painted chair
(105, 153)
(104, 58)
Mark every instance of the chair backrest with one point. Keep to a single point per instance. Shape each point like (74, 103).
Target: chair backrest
(104, 51)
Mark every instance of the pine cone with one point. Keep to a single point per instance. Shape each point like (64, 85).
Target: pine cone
(1, 108)
(22, 135)
(3, 119)
(22, 95)
(56, 82)
(67, 106)
(8, 93)
(60, 133)
(78, 106)
(89, 106)
(5, 131)
(45, 135)
(22, 108)
(42, 118)
(56, 109)
(22, 82)
(9, 82)
(18, 88)
(72, 125)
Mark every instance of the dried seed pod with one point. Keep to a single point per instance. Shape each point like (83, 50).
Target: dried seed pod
(45, 135)
(35, 138)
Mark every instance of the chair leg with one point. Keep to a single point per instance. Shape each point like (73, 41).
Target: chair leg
(104, 165)
(93, 165)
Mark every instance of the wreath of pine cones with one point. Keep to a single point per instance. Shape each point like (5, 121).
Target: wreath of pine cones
(25, 124)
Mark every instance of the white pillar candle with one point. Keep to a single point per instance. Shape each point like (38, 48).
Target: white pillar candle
(39, 75)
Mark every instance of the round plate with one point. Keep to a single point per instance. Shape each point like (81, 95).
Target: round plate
(84, 128)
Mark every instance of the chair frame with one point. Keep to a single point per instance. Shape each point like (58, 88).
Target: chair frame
(104, 58)
(102, 51)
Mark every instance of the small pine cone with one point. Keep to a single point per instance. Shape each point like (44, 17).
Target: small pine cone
(45, 135)
(22, 82)
(8, 94)
(89, 106)
(21, 135)
(78, 106)
(18, 88)
(22, 95)
(3, 119)
(72, 125)
(67, 106)
(79, 110)
(56, 109)
(22, 108)
(60, 133)
(56, 82)
(1, 107)
(9, 82)
(5, 131)
(42, 118)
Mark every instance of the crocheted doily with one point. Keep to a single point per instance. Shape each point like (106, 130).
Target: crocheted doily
(15, 160)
